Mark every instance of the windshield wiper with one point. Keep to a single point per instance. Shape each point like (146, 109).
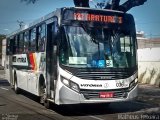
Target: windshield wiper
(83, 25)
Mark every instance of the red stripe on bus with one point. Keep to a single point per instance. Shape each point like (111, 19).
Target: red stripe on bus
(35, 63)
(31, 59)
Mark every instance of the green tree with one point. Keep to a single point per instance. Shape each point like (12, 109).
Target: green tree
(2, 37)
(29, 1)
(114, 5)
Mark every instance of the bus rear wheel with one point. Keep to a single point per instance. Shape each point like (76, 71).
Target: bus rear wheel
(16, 89)
(47, 104)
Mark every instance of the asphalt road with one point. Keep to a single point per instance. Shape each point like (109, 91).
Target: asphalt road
(25, 106)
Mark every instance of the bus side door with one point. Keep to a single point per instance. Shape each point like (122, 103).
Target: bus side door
(51, 58)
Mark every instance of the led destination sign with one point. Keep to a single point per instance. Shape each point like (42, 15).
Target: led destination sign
(97, 18)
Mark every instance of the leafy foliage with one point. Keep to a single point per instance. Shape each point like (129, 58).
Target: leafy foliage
(2, 37)
(114, 5)
(29, 1)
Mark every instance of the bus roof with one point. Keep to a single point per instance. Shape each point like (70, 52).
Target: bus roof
(56, 12)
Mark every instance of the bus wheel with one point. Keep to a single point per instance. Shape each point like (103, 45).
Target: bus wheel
(47, 104)
(43, 97)
(16, 89)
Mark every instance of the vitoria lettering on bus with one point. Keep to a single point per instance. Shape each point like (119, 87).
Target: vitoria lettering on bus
(19, 59)
(91, 85)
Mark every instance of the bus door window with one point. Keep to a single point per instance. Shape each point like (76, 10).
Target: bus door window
(33, 40)
(21, 43)
(64, 50)
(16, 45)
(26, 41)
(41, 37)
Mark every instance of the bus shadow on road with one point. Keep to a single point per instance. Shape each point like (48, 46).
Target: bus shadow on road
(93, 109)
(99, 109)
(4, 82)
(90, 109)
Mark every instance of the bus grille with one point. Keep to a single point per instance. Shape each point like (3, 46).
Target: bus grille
(94, 94)
(102, 75)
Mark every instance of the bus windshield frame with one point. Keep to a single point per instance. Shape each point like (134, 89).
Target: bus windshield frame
(96, 44)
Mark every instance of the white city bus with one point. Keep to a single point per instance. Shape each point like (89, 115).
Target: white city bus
(75, 55)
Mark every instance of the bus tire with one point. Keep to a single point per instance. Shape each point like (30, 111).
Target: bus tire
(16, 89)
(47, 104)
(42, 90)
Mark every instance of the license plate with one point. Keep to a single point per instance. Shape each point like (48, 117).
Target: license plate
(106, 94)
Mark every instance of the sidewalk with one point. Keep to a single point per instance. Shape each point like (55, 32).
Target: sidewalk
(149, 94)
(1, 67)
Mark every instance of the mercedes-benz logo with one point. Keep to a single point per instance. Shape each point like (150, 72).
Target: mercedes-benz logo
(106, 85)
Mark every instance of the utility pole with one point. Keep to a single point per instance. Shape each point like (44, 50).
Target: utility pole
(21, 24)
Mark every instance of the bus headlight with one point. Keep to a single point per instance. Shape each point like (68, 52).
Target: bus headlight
(133, 84)
(70, 84)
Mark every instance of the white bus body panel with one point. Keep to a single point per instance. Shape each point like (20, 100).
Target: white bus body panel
(65, 95)
(33, 83)
(29, 79)
(22, 79)
(68, 96)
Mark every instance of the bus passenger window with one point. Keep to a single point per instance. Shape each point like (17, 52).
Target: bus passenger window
(26, 41)
(16, 45)
(21, 43)
(41, 37)
(33, 40)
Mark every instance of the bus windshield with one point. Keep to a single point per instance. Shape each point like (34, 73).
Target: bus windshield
(93, 47)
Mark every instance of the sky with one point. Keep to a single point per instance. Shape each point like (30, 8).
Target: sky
(147, 16)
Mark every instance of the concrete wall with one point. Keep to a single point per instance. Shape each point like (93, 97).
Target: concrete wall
(149, 66)
(2, 62)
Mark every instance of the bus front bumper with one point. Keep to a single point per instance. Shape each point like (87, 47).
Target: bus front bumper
(68, 96)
